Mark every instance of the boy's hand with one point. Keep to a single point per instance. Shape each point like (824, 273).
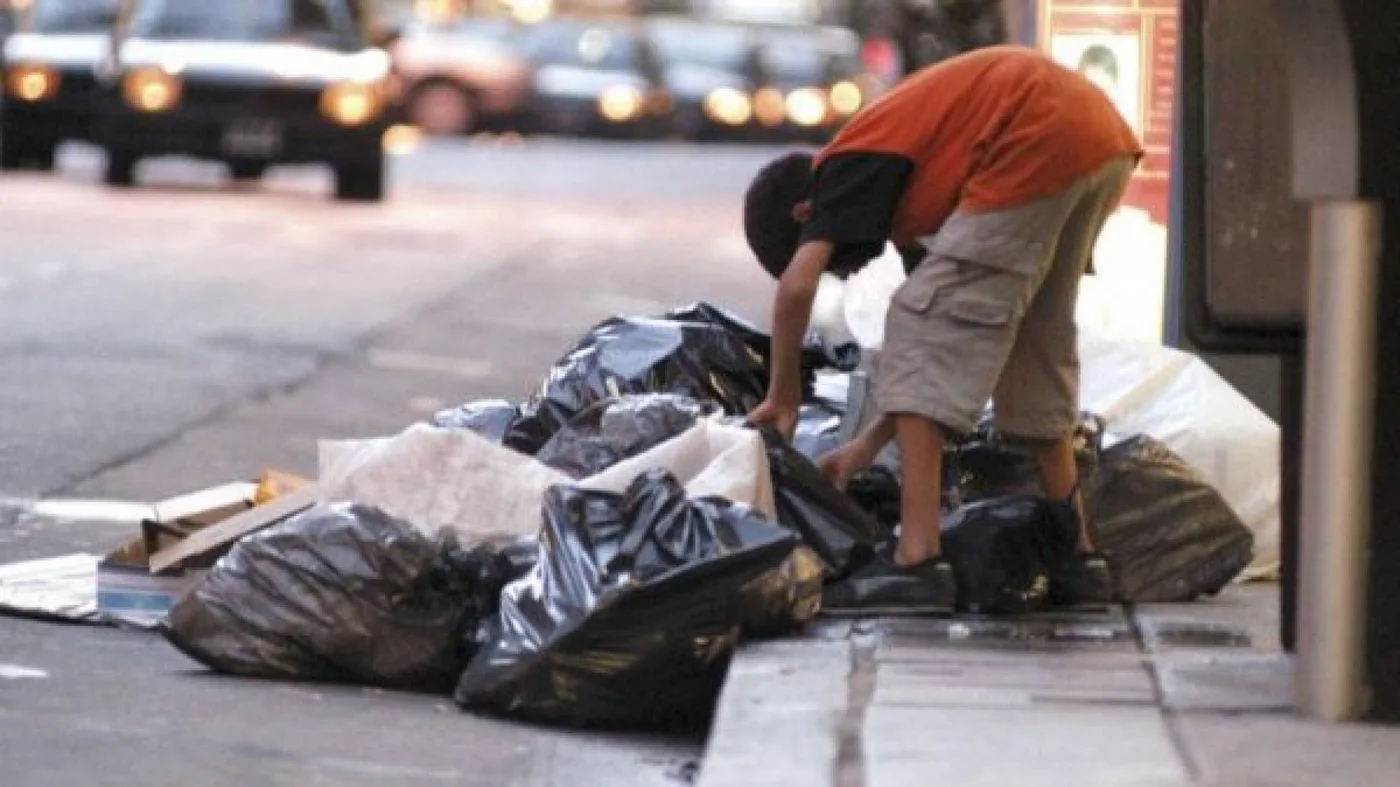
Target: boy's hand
(782, 416)
(841, 465)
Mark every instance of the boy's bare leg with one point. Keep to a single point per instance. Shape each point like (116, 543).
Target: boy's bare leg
(1059, 479)
(921, 464)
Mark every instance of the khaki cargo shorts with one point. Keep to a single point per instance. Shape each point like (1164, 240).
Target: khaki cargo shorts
(989, 314)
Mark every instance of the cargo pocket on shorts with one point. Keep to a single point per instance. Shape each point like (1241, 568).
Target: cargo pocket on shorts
(981, 312)
(918, 292)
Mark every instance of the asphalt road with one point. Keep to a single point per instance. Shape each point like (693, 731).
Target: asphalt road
(187, 333)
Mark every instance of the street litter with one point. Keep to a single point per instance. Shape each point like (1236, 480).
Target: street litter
(632, 612)
(337, 593)
(54, 588)
(592, 555)
(1172, 535)
(1002, 550)
(439, 479)
(698, 351)
(831, 523)
(618, 428)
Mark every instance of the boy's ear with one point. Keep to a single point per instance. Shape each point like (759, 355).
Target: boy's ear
(802, 211)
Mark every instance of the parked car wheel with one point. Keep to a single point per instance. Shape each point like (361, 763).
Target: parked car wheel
(442, 108)
(360, 181)
(247, 170)
(27, 155)
(121, 169)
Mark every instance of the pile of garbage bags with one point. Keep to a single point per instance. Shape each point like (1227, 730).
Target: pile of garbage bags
(594, 554)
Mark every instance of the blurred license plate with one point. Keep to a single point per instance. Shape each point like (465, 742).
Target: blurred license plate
(253, 138)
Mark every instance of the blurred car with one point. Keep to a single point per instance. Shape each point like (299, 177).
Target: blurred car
(813, 80)
(251, 83)
(50, 78)
(711, 70)
(462, 75)
(595, 77)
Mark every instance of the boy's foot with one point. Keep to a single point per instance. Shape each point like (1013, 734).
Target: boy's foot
(883, 587)
(1084, 580)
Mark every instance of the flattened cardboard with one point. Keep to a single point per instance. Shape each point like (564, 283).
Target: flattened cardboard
(209, 540)
(206, 506)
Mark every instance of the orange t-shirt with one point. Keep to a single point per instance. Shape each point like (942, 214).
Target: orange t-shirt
(993, 128)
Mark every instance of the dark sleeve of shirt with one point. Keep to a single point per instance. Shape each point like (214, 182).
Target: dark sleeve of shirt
(854, 200)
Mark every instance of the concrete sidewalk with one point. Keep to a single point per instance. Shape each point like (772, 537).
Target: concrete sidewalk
(1160, 694)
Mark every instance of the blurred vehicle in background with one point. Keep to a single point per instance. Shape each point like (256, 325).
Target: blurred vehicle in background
(813, 81)
(463, 75)
(595, 77)
(50, 78)
(251, 83)
(710, 70)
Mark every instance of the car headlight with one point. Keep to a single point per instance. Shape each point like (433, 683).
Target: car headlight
(32, 82)
(806, 106)
(728, 106)
(352, 103)
(620, 103)
(769, 107)
(846, 97)
(151, 89)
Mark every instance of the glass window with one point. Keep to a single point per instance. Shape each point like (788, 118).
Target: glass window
(305, 21)
(704, 45)
(602, 48)
(74, 16)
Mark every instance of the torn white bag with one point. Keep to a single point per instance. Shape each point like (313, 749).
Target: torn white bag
(456, 479)
(440, 478)
(710, 459)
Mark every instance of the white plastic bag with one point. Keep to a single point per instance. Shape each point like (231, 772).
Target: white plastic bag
(710, 459)
(456, 479)
(1143, 388)
(440, 478)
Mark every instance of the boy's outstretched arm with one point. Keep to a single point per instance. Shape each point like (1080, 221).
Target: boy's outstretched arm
(792, 310)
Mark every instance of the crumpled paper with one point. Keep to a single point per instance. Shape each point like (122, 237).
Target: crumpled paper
(455, 479)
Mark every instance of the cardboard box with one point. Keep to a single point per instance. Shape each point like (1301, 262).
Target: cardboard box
(207, 544)
(180, 540)
(127, 591)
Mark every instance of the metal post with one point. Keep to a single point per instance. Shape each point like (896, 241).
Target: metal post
(1337, 442)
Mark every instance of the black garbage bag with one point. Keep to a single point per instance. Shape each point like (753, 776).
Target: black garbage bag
(877, 492)
(493, 419)
(826, 519)
(632, 613)
(1002, 550)
(988, 465)
(617, 429)
(699, 351)
(815, 355)
(341, 593)
(1169, 533)
(785, 599)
